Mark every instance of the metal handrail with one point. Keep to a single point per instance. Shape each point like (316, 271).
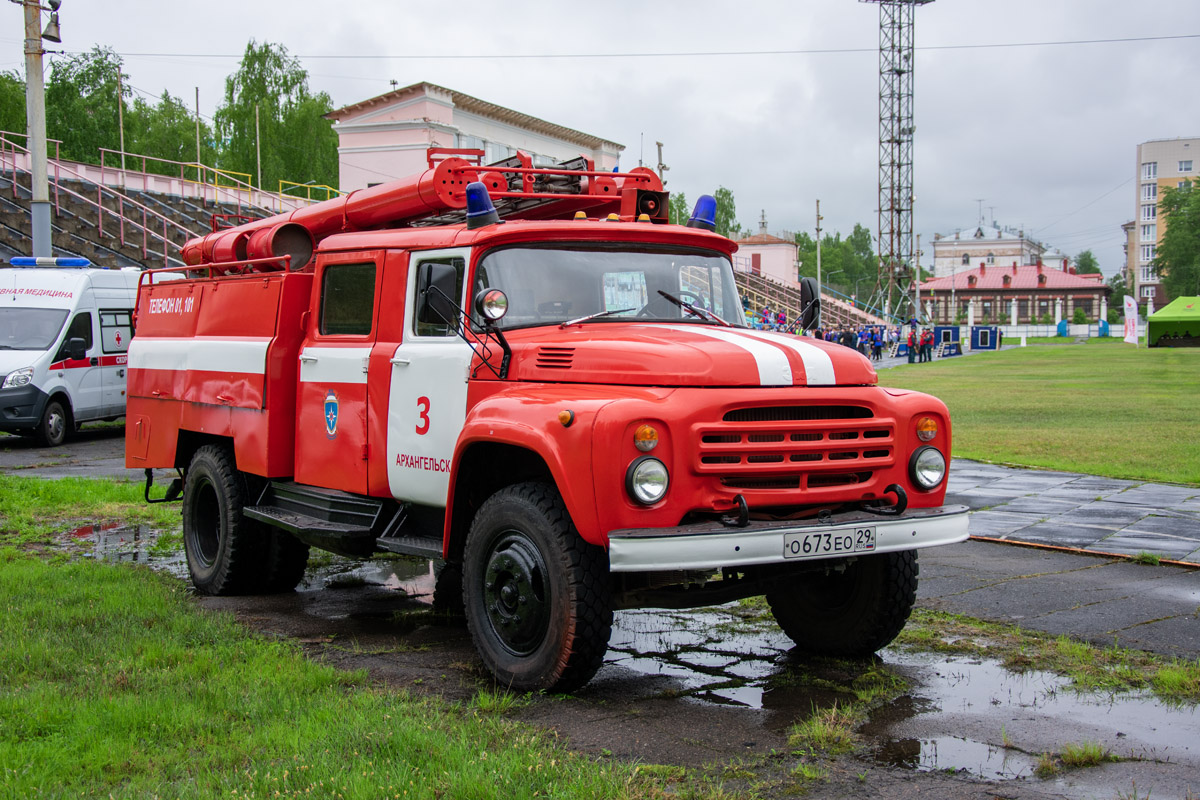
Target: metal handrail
(236, 186)
(101, 189)
(308, 187)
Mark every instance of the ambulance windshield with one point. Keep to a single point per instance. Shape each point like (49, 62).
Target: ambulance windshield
(551, 284)
(30, 328)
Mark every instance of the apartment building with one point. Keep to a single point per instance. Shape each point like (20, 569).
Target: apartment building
(1161, 163)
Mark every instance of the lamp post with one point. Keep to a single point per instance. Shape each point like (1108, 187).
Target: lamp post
(856, 283)
(35, 111)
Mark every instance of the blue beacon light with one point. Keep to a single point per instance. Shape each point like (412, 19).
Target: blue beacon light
(704, 215)
(480, 211)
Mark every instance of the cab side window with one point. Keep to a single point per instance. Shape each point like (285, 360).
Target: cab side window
(347, 300)
(80, 328)
(460, 268)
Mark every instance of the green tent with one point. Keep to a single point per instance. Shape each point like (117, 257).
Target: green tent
(1178, 322)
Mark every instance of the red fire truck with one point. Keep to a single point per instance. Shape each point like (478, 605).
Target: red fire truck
(529, 375)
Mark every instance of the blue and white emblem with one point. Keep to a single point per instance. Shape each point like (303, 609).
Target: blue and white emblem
(331, 414)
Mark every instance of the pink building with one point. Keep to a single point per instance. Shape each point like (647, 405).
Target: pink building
(769, 256)
(385, 137)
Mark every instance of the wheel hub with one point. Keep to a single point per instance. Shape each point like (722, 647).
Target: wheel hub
(514, 593)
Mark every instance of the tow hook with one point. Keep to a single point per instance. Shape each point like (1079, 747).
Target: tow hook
(743, 515)
(889, 511)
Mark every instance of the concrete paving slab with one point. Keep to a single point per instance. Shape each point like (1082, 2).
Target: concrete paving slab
(1153, 494)
(1167, 524)
(1043, 507)
(1113, 516)
(1133, 542)
(1000, 522)
(1056, 533)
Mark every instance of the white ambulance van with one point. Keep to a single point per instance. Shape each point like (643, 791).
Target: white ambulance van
(64, 333)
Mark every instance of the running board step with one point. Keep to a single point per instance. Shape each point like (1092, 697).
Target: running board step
(340, 522)
(411, 546)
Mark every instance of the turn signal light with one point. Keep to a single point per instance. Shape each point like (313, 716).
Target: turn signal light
(645, 438)
(926, 429)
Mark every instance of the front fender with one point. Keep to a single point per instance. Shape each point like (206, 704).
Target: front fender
(527, 416)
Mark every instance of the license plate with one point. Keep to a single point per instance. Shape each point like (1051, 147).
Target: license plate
(829, 543)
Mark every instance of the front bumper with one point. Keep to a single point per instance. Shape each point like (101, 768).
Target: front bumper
(21, 408)
(714, 546)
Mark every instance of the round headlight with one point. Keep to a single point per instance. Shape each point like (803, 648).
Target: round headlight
(927, 428)
(492, 304)
(646, 480)
(927, 467)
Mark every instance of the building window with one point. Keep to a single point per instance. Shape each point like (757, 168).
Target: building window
(1184, 185)
(1149, 191)
(1144, 275)
(1150, 170)
(1149, 233)
(1147, 253)
(991, 258)
(1149, 211)
(1185, 166)
(966, 259)
(1147, 291)
(1022, 309)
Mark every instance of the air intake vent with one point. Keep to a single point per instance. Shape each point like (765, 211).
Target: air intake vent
(796, 413)
(555, 357)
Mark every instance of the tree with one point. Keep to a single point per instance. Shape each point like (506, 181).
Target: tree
(1079, 317)
(726, 212)
(81, 103)
(677, 209)
(1177, 261)
(1085, 264)
(166, 130)
(1119, 289)
(297, 143)
(12, 102)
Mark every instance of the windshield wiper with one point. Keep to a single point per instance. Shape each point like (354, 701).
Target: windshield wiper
(703, 313)
(597, 315)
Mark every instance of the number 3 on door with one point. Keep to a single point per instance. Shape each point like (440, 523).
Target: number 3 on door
(423, 415)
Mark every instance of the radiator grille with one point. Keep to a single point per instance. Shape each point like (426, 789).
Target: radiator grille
(795, 447)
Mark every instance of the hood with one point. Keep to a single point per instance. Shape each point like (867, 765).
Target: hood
(11, 360)
(681, 354)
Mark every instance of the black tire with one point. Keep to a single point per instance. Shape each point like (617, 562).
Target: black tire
(448, 589)
(286, 560)
(225, 553)
(54, 426)
(852, 613)
(536, 595)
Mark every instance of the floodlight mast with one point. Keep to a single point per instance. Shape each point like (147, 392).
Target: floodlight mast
(896, 274)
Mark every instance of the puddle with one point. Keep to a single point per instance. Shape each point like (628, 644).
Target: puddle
(1001, 721)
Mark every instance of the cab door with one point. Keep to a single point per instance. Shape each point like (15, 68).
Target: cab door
(331, 420)
(428, 393)
(83, 376)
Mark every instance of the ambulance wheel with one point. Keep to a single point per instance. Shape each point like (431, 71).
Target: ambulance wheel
(852, 613)
(286, 560)
(535, 593)
(225, 553)
(56, 422)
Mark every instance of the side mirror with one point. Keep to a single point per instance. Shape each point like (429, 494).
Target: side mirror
(76, 349)
(810, 299)
(437, 303)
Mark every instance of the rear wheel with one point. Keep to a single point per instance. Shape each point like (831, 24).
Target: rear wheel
(851, 613)
(286, 560)
(225, 552)
(535, 593)
(54, 425)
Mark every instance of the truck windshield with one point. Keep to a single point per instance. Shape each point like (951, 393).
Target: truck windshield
(547, 285)
(30, 328)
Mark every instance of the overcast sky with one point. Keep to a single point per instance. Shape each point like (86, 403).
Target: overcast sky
(1044, 135)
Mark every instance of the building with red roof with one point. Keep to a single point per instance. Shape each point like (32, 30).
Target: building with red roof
(1036, 288)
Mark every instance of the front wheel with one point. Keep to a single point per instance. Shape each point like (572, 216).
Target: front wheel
(852, 613)
(535, 593)
(54, 425)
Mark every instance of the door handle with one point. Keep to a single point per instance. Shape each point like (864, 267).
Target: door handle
(308, 359)
(94, 361)
(120, 373)
(401, 362)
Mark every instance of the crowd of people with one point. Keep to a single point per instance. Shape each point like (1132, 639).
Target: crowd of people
(870, 340)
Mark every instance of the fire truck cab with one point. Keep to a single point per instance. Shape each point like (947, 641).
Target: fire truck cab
(528, 375)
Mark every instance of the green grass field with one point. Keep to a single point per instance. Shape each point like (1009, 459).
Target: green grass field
(112, 684)
(1118, 411)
